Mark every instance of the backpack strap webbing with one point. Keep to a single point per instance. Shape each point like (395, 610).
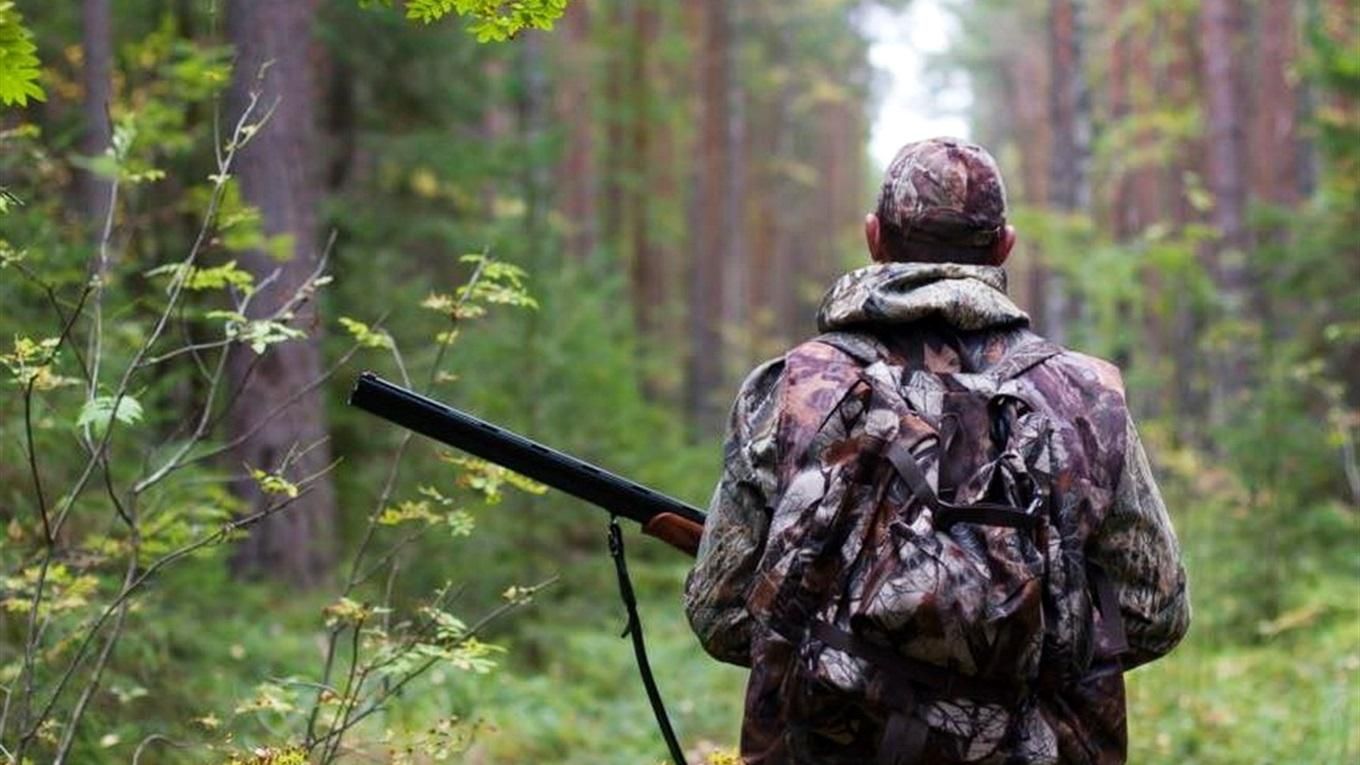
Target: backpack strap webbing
(863, 347)
(906, 672)
(1107, 600)
(866, 348)
(903, 741)
(1022, 357)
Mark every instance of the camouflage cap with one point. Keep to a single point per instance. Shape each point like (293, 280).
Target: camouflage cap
(944, 191)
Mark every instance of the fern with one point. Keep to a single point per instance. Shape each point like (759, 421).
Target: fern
(18, 59)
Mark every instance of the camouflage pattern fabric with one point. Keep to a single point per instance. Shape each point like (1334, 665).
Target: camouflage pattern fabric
(803, 442)
(946, 191)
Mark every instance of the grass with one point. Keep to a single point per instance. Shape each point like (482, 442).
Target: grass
(1235, 692)
(1242, 689)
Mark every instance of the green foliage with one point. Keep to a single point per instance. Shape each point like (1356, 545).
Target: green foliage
(435, 161)
(199, 278)
(365, 335)
(19, 64)
(488, 20)
(31, 363)
(99, 411)
(292, 755)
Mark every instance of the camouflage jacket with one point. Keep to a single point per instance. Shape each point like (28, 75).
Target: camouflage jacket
(970, 323)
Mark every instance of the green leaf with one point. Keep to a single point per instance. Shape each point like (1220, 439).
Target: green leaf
(99, 411)
(273, 483)
(365, 335)
(211, 278)
(261, 334)
(19, 65)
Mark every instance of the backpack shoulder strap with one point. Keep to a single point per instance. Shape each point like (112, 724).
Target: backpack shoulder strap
(1024, 356)
(863, 347)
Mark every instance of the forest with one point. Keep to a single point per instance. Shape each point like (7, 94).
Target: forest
(587, 220)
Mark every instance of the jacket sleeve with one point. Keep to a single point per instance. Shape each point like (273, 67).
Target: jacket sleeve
(738, 520)
(1137, 547)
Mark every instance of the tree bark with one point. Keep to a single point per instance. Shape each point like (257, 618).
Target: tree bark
(647, 291)
(1069, 189)
(577, 179)
(1222, 28)
(278, 173)
(96, 76)
(735, 257)
(709, 212)
(616, 146)
(1118, 108)
(1276, 150)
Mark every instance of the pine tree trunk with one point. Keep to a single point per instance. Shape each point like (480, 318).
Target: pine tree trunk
(1222, 27)
(645, 269)
(709, 214)
(1276, 151)
(1069, 157)
(96, 76)
(577, 179)
(735, 257)
(278, 174)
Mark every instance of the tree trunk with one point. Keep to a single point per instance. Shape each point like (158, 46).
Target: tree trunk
(1069, 157)
(1277, 153)
(96, 76)
(615, 125)
(645, 272)
(577, 179)
(709, 212)
(735, 261)
(1177, 337)
(278, 173)
(1027, 104)
(783, 276)
(1117, 207)
(1222, 28)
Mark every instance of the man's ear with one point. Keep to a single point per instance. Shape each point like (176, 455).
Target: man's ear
(873, 237)
(1003, 246)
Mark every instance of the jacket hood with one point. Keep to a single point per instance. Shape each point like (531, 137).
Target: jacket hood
(967, 297)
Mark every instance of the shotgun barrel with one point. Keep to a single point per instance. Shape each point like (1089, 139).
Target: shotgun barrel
(662, 516)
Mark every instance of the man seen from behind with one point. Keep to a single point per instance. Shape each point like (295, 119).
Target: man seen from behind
(937, 537)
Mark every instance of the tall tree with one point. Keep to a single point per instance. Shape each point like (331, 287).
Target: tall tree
(577, 179)
(278, 174)
(709, 212)
(646, 266)
(1069, 102)
(1276, 151)
(1223, 27)
(96, 76)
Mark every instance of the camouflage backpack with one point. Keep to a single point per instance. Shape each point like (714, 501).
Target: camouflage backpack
(912, 576)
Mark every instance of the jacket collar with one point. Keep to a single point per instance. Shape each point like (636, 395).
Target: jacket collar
(967, 297)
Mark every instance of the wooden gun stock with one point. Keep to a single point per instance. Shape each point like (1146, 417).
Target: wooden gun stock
(681, 533)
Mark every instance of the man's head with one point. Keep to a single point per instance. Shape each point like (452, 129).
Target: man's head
(942, 201)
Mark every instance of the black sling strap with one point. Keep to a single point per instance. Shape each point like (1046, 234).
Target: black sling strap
(947, 514)
(634, 630)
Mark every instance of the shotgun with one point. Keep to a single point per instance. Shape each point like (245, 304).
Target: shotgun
(666, 518)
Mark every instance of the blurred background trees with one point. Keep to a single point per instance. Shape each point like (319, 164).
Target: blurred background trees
(680, 181)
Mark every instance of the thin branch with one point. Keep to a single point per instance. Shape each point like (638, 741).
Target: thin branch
(92, 685)
(389, 485)
(350, 696)
(206, 422)
(396, 687)
(150, 571)
(153, 738)
(176, 288)
(101, 270)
